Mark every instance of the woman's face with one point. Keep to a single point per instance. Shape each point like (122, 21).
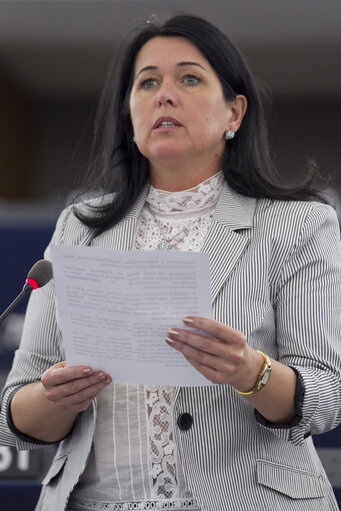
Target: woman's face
(177, 106)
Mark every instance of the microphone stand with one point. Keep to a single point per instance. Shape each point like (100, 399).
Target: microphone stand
(26, 290)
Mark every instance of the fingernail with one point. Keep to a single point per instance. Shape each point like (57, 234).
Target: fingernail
(169, 340)
(108, 380)
(101, 377)
(188, 321)
(86, 372)
(173, 332)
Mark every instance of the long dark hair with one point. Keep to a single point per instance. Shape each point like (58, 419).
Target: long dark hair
(247, 164)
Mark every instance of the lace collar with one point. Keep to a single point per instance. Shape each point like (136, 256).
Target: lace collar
(196, 199)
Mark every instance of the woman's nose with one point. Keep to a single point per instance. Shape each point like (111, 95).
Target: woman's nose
(167, 95)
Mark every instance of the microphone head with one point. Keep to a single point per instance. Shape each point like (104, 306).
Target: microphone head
(41, 273)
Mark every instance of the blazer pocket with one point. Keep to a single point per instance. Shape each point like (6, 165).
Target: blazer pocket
(55, 469)
(293, 482)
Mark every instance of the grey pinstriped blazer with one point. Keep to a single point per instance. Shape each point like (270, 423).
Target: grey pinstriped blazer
(275, 275)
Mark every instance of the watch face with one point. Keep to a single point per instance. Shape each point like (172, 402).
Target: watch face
(265, 377)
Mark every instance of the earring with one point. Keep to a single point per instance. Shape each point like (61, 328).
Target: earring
(229, 134)
(134, 139)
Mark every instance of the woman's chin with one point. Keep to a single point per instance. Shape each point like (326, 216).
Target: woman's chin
(167, 153)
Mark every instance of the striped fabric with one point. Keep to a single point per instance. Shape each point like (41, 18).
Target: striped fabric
(275, 275)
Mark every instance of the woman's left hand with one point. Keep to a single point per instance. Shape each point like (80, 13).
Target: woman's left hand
(223, 357)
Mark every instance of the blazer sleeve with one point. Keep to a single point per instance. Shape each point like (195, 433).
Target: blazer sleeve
(39, 349)
(308, 323)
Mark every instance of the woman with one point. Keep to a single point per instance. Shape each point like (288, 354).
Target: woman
(186, 153)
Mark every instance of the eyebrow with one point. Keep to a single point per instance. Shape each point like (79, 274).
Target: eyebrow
(179, 64)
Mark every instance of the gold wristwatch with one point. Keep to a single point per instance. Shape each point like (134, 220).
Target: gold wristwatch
(263, 377)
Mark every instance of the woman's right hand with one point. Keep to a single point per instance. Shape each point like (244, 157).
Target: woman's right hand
(73, 387)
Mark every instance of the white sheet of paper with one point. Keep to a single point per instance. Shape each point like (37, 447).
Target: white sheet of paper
(115, 310)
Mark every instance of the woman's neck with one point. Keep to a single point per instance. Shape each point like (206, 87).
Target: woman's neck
(173, 178)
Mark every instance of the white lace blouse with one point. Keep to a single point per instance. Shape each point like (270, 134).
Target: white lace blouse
(134, 462)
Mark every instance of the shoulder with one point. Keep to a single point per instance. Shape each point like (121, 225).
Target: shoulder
(69, 229)
(294, 218)
(292, 207)
(294, 229)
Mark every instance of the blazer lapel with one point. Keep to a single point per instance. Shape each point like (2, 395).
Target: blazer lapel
(223, 244)
(122, 235)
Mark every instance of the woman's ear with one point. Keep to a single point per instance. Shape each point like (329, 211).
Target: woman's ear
(236, 111)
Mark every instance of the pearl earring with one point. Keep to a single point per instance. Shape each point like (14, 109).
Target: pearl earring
(134, 139)
(229, 134)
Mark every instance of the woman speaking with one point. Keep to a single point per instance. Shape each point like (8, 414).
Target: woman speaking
(185, 165)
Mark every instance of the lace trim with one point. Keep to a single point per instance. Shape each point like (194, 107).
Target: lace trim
(195, 199)
(162, 449)
(94, 505)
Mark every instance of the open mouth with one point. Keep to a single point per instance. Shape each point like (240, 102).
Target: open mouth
(166, 122)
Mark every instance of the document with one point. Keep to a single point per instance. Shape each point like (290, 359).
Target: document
(115, 309)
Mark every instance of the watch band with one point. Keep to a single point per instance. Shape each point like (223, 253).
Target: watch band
(263, 377)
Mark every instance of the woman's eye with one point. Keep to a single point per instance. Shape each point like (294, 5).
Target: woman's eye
(148, 83)
(191, 80)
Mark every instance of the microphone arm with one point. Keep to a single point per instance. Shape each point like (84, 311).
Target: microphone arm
(26, 290)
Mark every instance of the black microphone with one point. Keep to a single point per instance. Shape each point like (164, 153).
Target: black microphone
(39, 275)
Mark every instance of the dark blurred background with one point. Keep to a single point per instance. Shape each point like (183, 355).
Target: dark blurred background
(54, 56)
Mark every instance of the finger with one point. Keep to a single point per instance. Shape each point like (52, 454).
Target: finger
(202, 342)
(73, 387)
(209, 373)
(223, 332)
(57, 375)
(87, 394)
(81, 407)
(59, 364)
(202, 357)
